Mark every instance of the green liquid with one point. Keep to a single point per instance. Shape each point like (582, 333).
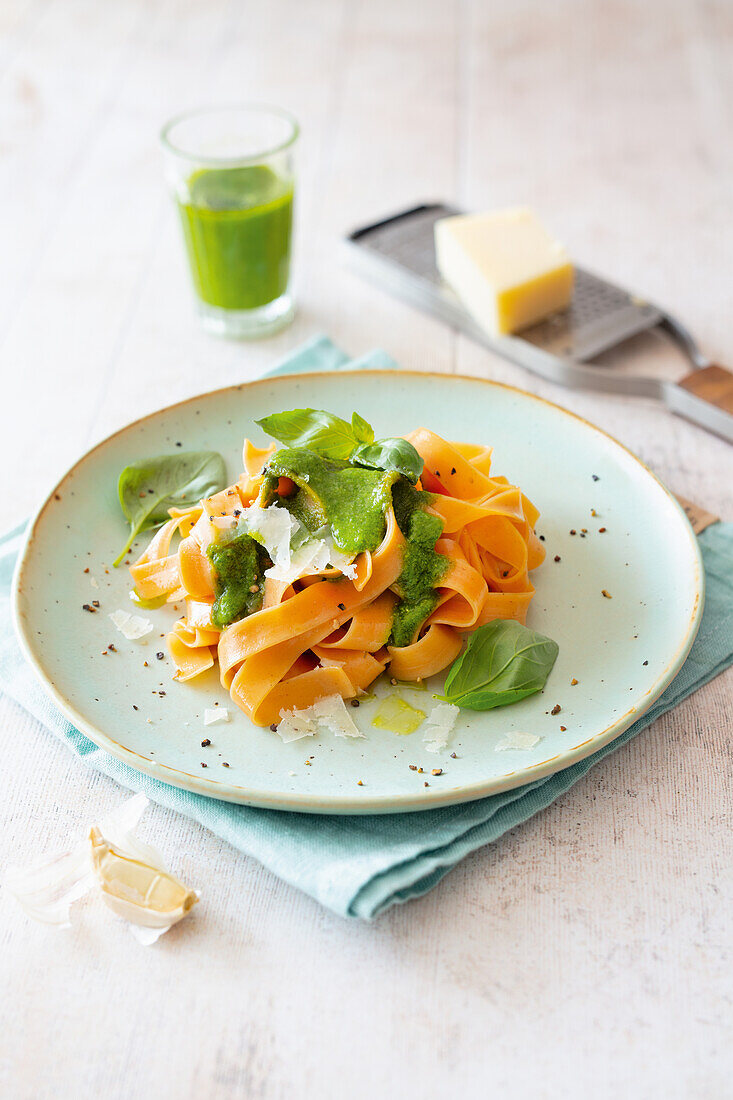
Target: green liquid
(147, 605)
(237, 226)
(397, 716)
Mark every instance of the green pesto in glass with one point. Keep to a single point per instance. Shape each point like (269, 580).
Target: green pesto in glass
(237, 225)
(239, 563)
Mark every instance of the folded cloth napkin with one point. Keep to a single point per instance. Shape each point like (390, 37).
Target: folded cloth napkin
(359, 866)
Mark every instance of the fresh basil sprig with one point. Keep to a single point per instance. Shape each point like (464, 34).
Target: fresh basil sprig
(362, 429)
(315, 429)
(502, 663)
(148, 488)
(390, 454)
(332, 437)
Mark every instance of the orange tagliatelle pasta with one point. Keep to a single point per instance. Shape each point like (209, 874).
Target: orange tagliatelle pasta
(330, 629)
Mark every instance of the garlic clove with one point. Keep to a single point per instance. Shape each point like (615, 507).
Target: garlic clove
(144, 894)
(130, 874)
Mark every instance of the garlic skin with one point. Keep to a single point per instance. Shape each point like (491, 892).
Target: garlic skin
(48, 888)
(144, 895)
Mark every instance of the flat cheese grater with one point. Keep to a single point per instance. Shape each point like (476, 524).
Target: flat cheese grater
(399, 253)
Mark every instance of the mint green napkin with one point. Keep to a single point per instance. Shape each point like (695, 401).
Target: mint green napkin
(359, 866)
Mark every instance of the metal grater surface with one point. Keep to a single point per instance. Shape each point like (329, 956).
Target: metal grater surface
(600, 317)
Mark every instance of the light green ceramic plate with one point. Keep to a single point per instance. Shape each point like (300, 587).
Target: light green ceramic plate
(623, 651)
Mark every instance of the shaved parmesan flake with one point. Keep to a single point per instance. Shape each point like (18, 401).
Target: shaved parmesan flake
(441, 721)
(294, 551)
(273, 528)
(311, 557)
(339, 560)
(517, 740)
(212, 715)
(132, 627)
(295, 724)
(130, 875)
(224, 523)
(94, 582)
(330, 712)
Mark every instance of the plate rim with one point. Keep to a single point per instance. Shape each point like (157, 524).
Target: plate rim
(346, 804)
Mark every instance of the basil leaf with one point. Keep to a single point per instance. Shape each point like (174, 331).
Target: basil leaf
(332, 437)
(362, 429)
(503, 663)
(390, 454)
(148, 488)
(315, 429)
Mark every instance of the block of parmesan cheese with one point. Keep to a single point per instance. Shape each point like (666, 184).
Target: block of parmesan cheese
(508, 271)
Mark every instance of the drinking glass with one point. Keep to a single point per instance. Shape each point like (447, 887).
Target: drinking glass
(231, 172)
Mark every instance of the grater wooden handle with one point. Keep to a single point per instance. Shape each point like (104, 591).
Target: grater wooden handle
(713, 384)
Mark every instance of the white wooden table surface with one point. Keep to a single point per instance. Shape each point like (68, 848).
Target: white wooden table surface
(588, 953)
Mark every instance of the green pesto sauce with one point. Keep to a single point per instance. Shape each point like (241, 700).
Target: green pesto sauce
(240, 564)
(408, 616)
(237, 225)
(352, 499)
(422, 565)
